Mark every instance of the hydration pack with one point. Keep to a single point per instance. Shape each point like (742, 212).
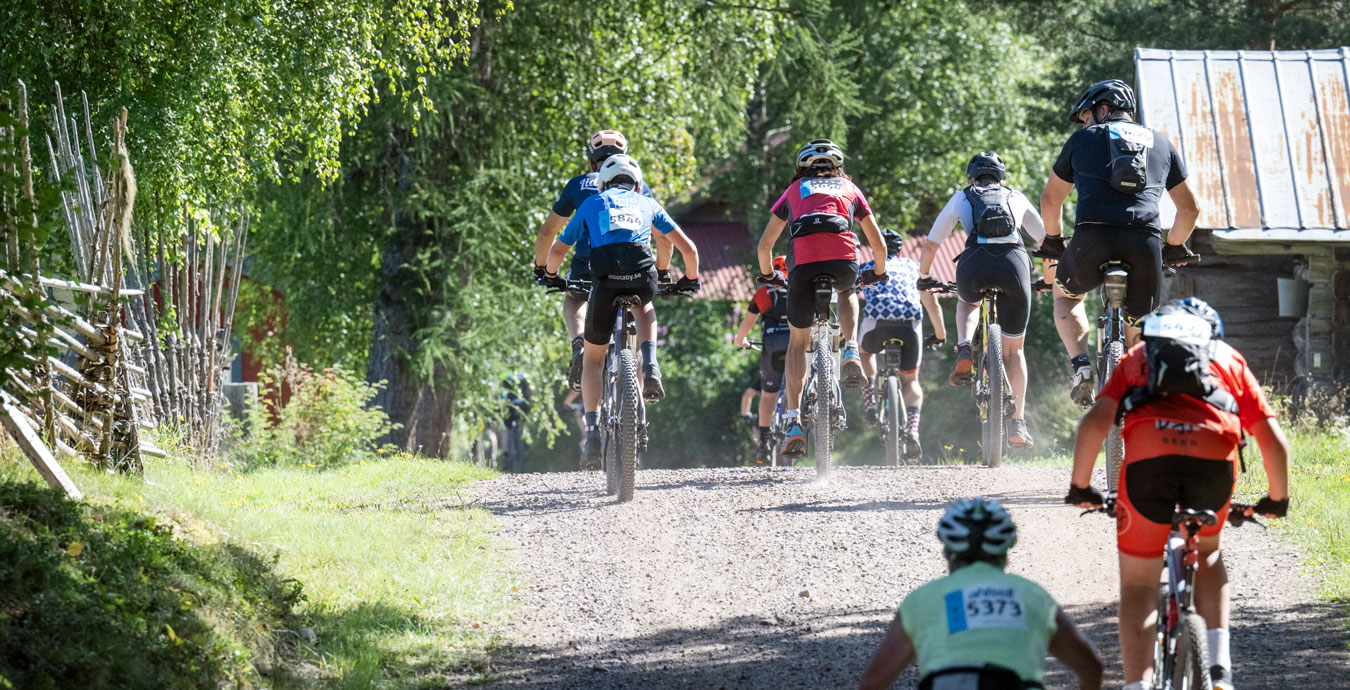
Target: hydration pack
(1127, 150)
(1178, 344)
(990, 211)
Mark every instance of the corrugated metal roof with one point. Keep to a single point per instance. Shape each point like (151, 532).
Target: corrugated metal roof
(1265, 136)
(726, 257)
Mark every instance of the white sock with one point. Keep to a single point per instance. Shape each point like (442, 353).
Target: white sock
(1137, 685)
(1218, 648)
(789, 415)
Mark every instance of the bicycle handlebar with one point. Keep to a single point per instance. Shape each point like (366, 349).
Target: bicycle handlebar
(1237, 513)
(662, 289)
(944, 288)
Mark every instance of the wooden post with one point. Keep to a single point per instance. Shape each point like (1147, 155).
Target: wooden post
(24, 435)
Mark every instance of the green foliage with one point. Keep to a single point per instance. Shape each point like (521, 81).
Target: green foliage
(309, 418)
(102, 597)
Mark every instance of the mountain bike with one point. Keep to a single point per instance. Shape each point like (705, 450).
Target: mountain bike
(1181, 654)
(891, 407)
(822, 397)
(992, 390)
(623, 412)
(777, 429)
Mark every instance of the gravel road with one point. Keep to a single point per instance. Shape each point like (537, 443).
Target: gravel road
(759, 578)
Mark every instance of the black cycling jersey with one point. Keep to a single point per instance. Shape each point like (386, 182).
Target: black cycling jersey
(1085, 161)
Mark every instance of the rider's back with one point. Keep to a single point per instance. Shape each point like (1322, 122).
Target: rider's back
(574, 194)
(618, 223)
(981, 615)
(1086, 161)
(821, 212)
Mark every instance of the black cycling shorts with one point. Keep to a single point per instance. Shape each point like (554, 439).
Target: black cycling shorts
(1155, 486)
(875, 333)
(1006, 267)
(802, 290)
(1080, 269)
(987, 677)
(580, 269)
(600, 310)
(772, 362)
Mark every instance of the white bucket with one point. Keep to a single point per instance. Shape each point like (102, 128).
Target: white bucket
(1293, 294)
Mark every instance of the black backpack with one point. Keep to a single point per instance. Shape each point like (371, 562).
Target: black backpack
(1127, 150)
(1177, 347)
(990, 211)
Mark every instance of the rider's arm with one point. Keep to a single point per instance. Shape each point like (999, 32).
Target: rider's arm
(930, 250)
(688, 252)
(935, 317)
(1031, 220)
(873, 233)
(1274, 455)
(1069, 646)
(943, 225)
(747, 324)
(547, 231)
(569, 237)
(1052, 203)
(895, 653)
(665, 250)
(766, 242)
(1187, 213)
(1092, 431)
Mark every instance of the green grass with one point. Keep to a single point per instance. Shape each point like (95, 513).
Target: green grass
(398, 571)
(1320, 496)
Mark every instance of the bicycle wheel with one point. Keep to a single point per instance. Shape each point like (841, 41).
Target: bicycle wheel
(892, 431)
(627, 432)
(1115, 444)
(1190, 670)
(994, 431)
(1161, 662)
(822, 421)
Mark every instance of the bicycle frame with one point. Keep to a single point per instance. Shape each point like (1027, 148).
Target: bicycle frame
(1110, 348)
(992, 414)
(890, 359)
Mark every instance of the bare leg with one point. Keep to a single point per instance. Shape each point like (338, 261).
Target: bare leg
(767, 402)
(645, 317)
(1138, 615)
(574, 315)
(592, 376)
(796, 366)
(869, 363)
(1211, 584)
(1072, 323)
(967, 319)
(848, 313)
(1015, 364)
(1132, 335)
(910, 391)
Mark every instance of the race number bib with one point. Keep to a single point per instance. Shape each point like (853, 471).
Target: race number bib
(985, 606)
(830, 186)
(624, 220)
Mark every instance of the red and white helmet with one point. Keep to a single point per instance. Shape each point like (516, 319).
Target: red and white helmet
(620, 165)
(604, 144)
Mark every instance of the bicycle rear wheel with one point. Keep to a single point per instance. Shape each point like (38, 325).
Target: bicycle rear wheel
(629, 418)
(1115, 444)
(1190, 670)
(994, 431)
(894, 434)
(822, 421)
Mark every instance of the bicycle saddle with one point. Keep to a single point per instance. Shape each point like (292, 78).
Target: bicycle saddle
(625, 300)
(1184, 515)
(1114, 265)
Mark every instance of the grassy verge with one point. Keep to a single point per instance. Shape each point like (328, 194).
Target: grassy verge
(397, 570)
(1320, 490)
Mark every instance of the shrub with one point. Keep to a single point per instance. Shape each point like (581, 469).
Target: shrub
(307, 417)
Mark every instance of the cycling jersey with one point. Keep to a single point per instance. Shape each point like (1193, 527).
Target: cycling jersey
(574, 193)
(958, 210)
(820, 212)
(770, 302)
(981, 615)
(617, 216)
(1085, 161)
(897, 298)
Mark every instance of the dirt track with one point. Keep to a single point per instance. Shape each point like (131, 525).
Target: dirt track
(753, 578)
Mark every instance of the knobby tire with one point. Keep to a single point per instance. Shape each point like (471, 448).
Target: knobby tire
(1115, 444)
(894, 437)
(1190, 670)
(822, 417)
(994, 428)
(608, 445)
(629, 418)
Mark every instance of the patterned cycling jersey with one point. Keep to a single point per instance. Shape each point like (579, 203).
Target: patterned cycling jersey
(897, 298)
(617, 216)
(981, 615)
(574, 194)
(820, 212)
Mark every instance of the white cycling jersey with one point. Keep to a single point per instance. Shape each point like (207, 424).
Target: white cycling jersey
(958, 210)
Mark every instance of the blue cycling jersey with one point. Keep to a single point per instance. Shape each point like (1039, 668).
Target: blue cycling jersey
(617, 216)
(576, 192)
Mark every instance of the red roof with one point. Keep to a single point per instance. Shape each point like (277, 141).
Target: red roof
(726, 256)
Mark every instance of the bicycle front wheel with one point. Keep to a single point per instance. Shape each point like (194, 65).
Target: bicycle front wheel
(892, 431)
(629, 417)
(994, 430)
(822, 419)
(1190, 670)
(1115, 443)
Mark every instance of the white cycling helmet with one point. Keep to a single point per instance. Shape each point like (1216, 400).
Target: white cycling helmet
(977, 528)
(820, 153)
(620, 165)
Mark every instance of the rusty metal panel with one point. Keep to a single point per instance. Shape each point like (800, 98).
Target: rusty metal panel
(1157, 96)
(1334, 107)
(1312, 192)
(1235, 141)
(1270, 144)
(1200, 152)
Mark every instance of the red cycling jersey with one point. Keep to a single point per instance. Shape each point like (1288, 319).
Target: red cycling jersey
(835, 197)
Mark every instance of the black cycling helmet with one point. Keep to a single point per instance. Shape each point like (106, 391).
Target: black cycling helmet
(894, 241)
(1114, 92)
(987, 163)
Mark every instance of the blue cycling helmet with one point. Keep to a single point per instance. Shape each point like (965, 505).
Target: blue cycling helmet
(1202, 308)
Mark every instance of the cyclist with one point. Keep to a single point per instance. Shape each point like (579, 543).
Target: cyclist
(991, 214)
(980, 628)
(599, 148)
(769, 307)
(619, 222)
(818, 209)
(1178, 450)
(1112, 224)
(892, 310)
